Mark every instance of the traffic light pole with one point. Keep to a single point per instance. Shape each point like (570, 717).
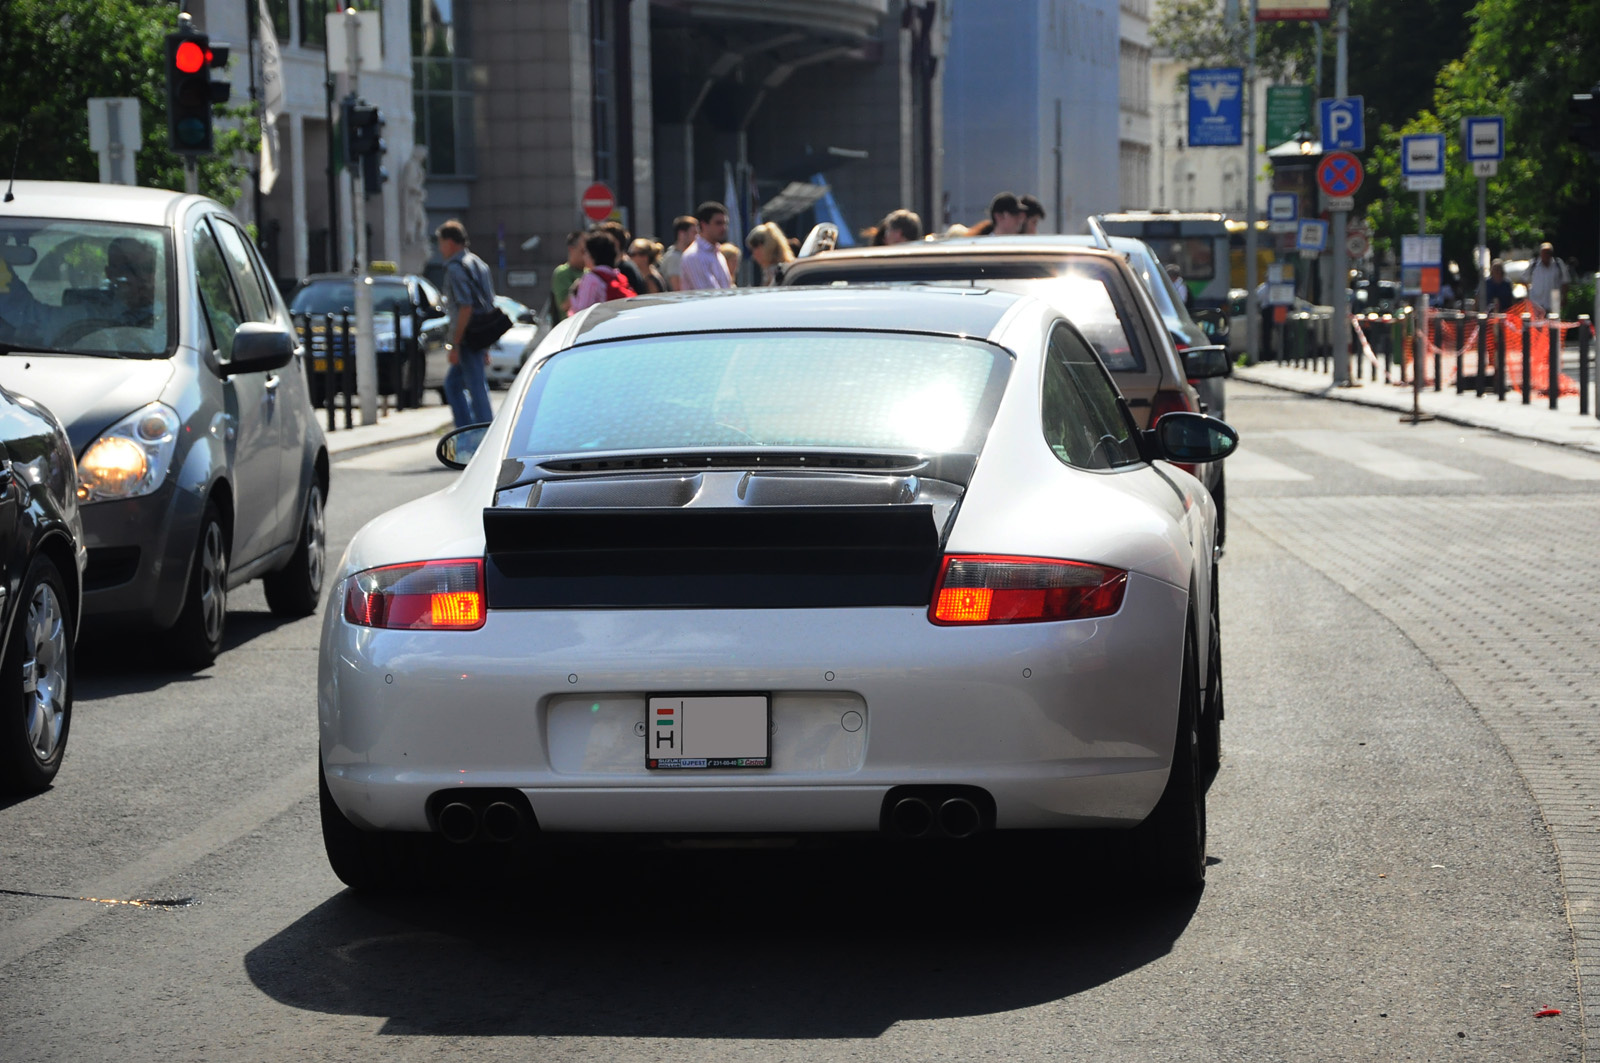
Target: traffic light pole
(366, 345)
(1252, 313)
(191, 175)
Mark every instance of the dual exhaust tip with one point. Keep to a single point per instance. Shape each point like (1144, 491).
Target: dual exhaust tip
(499, 821)
(934, 814)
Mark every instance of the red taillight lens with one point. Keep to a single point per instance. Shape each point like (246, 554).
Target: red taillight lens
(1166, 402)
(423, 595)
(983, 589)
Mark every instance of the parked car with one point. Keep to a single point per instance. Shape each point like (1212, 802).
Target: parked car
(1319, 319)
(511, 350)
(41, 590)
(407, 302)
(148, 325)
(807, 560)
(1103, 291)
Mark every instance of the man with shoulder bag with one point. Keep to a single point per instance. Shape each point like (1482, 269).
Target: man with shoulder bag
(477, 323)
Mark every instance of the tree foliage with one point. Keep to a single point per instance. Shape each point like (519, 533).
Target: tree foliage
(56, 54)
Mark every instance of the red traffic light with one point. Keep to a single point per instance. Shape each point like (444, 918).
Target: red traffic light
(190, 58)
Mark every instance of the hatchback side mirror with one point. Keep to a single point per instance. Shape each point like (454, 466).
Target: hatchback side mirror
(1203, 363)
(258, 348)
(1193, 438)
(457, 448)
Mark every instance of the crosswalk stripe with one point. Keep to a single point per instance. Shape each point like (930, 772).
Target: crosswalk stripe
(1248, 465)
(1548, 459)
(1381, 461)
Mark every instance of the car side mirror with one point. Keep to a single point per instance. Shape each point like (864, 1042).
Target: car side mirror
(457, 448)
(1204, 363)
(1212, 321)
(258, 348)
(1193, 438)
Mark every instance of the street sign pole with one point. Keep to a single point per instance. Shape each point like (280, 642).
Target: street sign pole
(366, 345)
(1419, 331)
(1483, 247)
(1252, 315)
(1341, 264)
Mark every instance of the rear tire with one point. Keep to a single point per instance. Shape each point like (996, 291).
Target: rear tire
(296, 588)
(1172, 840)
(364, 860)
(36, 683)
(197, 636)
(1220, 497)
(1213, 706)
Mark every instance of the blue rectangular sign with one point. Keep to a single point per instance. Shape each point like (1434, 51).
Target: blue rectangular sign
(1216, 107)
(1342, 128)
(1484, 139)
(1422, 155)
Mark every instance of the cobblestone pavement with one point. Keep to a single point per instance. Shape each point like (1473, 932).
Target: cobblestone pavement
(1497, 583)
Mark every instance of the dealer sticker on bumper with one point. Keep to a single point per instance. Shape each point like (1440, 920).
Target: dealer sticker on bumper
(708, 731)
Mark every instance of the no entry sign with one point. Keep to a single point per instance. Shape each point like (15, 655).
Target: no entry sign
(598, 201)
(1339, 173)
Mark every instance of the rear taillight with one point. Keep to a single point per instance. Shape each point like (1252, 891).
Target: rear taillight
(422, 595)
(984, 589)
(1166, 402)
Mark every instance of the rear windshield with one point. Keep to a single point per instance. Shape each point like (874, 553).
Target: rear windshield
(336, 296)
(97, 288)
(1083, 291)
(886, 392)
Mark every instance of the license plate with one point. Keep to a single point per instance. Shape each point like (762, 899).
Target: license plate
(708, 731)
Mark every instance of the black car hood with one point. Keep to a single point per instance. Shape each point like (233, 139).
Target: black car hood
(86, 394)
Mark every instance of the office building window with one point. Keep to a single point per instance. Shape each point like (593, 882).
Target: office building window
(441, 85)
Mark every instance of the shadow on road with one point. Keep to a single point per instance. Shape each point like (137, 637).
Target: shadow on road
(116, 662)
(794, 944)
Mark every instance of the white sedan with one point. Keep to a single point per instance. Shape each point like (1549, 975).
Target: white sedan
(858, 560)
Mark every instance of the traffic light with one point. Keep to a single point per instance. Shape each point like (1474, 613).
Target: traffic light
(1583, 121)
(191, 92)
(364, 144)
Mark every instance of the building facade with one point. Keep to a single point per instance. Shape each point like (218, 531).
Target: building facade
(1135, 128)
(1031, 106)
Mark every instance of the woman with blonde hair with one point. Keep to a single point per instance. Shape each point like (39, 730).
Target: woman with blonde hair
(770, 248)
(645, 253)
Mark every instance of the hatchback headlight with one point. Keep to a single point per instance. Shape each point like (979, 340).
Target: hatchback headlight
(131, 458)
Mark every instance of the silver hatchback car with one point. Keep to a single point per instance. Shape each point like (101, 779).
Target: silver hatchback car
(146, 321)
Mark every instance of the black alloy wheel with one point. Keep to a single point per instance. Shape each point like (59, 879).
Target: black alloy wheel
(36, 683)
(296, 588)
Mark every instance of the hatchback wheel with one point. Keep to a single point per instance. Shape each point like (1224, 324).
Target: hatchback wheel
(295, 589)
(198, 633)
(36, 676)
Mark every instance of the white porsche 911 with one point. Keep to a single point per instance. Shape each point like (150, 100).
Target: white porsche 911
(782, 562)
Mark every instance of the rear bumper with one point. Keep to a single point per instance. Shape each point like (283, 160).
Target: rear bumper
(1063, 724)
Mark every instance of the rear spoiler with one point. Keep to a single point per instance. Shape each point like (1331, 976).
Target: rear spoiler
(793, 557)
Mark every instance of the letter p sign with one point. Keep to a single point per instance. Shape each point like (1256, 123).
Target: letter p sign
(1342, 128)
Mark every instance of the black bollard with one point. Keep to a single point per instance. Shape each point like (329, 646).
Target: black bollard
(1527, 359)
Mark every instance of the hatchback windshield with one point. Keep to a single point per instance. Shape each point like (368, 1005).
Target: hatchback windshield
(874, 391)
(98, 288)
(337, 296)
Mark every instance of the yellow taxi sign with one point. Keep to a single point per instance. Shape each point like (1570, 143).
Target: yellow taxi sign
(387, 268)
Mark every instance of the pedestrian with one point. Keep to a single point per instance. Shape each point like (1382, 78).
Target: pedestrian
(1497, 292)
(624, 240)
(1267, 315)
(1175, 275)
(602, 281)
(770, 248)
(1006, 216)
(1548, 280)
(565, 276)
(731, 256)
(901, 227)
(684, 230)
(644, 253)
(703, 264)
(470, 292)
(1032, 214)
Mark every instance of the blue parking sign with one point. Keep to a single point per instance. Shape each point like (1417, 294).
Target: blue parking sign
(1216, 107)
(1342, 128)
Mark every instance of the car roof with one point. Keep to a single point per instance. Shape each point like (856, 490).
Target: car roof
(1011, 246)
(314, 278)
(948, 311)
(95, 202)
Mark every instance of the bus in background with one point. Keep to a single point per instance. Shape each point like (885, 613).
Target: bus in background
(1208, 249)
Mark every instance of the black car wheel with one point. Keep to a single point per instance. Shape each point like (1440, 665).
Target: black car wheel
(1172, 840)
(197, 636)
(36, 683)
(295, 589)
(1213, 714)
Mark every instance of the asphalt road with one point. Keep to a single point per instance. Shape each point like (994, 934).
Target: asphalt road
(1397, 844)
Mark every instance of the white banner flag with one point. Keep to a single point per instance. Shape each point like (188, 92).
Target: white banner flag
(271, 97)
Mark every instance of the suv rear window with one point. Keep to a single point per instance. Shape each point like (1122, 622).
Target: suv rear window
(1084, 291)
(337, 296)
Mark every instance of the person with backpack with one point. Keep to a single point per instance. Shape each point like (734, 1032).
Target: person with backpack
(601, 283)
(477, 324)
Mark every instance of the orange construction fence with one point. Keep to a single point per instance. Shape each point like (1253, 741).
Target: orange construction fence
(1460, 333)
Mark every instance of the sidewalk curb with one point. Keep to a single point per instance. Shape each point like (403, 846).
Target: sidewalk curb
(365, 437)
(1354, 397)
